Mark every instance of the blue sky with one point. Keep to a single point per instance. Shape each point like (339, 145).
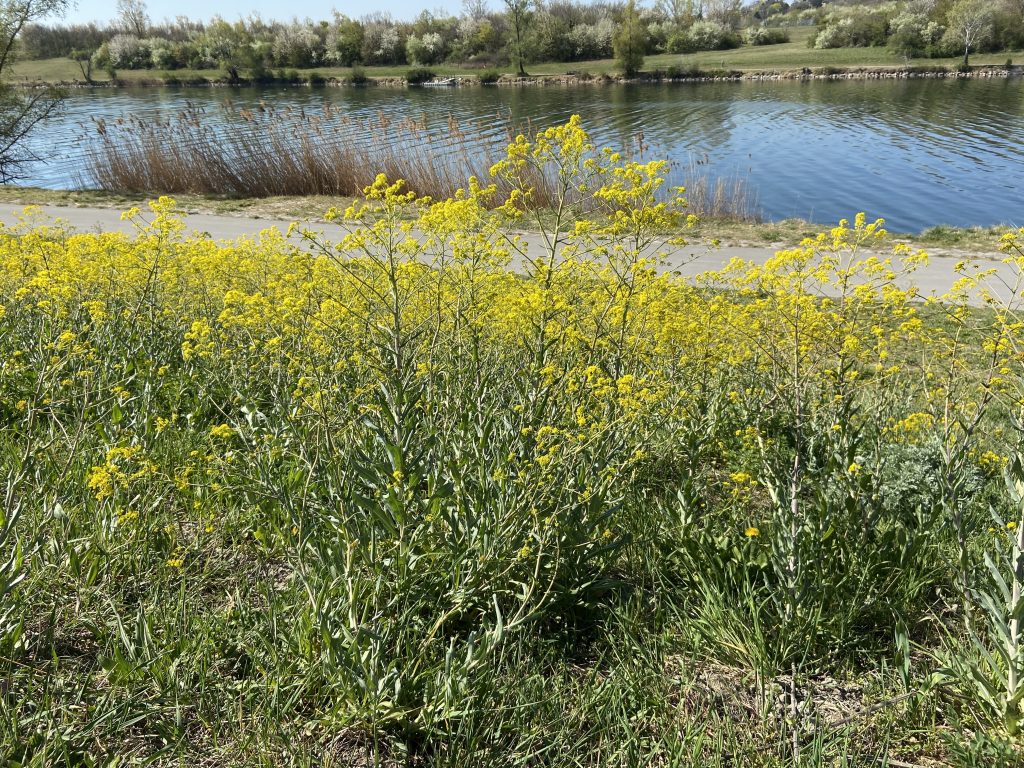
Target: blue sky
(91, 10)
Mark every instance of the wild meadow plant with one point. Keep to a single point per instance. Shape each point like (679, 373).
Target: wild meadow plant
(418, 494)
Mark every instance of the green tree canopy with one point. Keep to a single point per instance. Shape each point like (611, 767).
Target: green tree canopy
(630, 41)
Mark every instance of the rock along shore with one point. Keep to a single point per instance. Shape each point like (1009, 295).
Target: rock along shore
(690, 75)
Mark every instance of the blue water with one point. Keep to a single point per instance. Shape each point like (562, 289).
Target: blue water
(916, 152)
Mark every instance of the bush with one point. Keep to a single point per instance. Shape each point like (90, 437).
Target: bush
(490, 76)
(913, 34)
(357, 76)
(852, 28)
(163, 54)
(704, 36)
(766, 36)
(418, 75)
(680, 72)
(128, 52)
(428, 49)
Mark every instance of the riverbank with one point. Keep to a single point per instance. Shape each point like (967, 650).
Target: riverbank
(672, 74)
(792, 60)
(939, 240)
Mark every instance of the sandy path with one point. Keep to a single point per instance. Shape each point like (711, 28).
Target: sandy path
(935, 278)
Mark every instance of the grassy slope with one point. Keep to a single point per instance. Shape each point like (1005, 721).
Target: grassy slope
(786, 56)
(193, 649)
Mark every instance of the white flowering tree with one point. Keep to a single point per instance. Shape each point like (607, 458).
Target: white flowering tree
(970, 23)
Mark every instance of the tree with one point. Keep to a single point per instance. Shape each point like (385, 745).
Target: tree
(970, 23)
(682, 13)
(724, 11)
(345, 40)
(519, 16)
(133, 17)
(474, 9)
(630, 41)
(21, 109)
(912, 34)
(83, 58)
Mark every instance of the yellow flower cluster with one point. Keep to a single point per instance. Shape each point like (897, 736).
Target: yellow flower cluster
(588, 341)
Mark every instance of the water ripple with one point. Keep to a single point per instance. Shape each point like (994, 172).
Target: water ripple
(917, 152)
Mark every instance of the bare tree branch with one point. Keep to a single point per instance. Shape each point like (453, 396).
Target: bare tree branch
(21, 109)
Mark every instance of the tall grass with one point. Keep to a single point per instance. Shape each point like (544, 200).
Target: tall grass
(267, 151)
(721, 197)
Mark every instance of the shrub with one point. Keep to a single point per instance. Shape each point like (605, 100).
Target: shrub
(592, 41)
(418, 75)
(357, 76)
(128, 52)
(428, 49)
(490, 76)
(913, 34)
(704, 36)
(163, 54)
(680, 72)
(290, 77)
(852, 28)
(766, 36)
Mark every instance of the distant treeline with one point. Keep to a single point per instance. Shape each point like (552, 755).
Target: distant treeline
(560, 30)
(923, 28)
(527, 30)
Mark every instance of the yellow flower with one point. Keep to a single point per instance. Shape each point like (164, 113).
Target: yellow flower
(221, 432)
(752, 532)
(127, 516)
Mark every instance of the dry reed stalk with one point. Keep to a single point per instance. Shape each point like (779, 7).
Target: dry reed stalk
(295, 151)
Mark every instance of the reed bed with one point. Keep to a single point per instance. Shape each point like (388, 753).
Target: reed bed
(266, 151)
(721, 197)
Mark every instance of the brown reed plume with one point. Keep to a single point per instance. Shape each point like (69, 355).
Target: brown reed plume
(290, 151)
(296, 151)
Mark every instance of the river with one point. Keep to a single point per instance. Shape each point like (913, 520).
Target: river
(917, 152)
